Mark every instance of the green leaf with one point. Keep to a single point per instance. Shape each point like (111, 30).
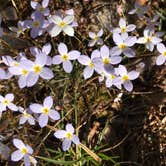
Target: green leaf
(58, 161)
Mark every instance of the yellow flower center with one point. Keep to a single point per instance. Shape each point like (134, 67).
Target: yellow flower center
(62, 24)
(125, 78)
(45, 110)
(36, 24)
(26, 114)
(24, 151)
(106, 61)
(16, 64)
(69, 135)
(65, 57)
(164, 53)
(37, 69)
(112, 76)
(41, 9)
(24, 72)
(5, 102)
(148, 39)
(96, 37)
(122, 46)
(91, 65)
(123, 29)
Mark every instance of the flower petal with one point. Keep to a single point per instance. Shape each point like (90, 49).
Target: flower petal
(95, 54)
(130, 27)
(68, 29)
(161, 48)
(84, 60)
(43, 120)
(60, 134)
(57, 60)
(22, 81)
(32, 78)
(122, 22)
(62, 48)
(55, 30)
(18, 143)
(122, 70)
(45, 3)
(41, 59)
(46, 73)
(141, 40)
(92, 35)
(133, 75)
(48, 102)
(54, 115)
(76, 140)
(100, 33)
(130, 41)
(115, 59)
(13, 107)
(68, 19)
(66, 144)
(88, 72)
(115, 51)
(128, 85)
(36, 108)
(31, 120)
(46, 48)
(104, 51)
(117, 38)
(22, 120)
(129, 52)
(9, 96)
(56, 19)
(69, 128)
(74, 54)
(67, 66)
(16, 155)
(160, 60)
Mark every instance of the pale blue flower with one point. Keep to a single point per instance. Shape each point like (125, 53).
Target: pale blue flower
(65, 57)
(40, 8)
(26, 116)
(123, 45)
(123, 28)
(95, 38)
(37, 69)
(24, 152)
(149, 39)
(68, 137)
(46, 49)
(139, 9)
(125, 78)
(45, 111)
(89, 63)
(106, 60)
(7, 102)
(19, 29)
(60, 24)
(38, 25)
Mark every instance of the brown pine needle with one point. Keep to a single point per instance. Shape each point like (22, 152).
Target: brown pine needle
(91, 153)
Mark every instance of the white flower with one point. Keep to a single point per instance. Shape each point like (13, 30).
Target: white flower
(26, 116)
(7, 102)
(62, 24)
(68, 136)
(24, 151)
